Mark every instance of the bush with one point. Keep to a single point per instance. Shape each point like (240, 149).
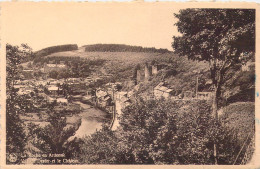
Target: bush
(169, 132)
(155, 132)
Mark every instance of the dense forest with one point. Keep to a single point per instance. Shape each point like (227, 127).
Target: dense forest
(121, 48)
(54, 49)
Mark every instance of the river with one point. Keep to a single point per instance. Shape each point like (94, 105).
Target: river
(91, 120)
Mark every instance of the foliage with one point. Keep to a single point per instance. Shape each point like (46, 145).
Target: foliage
(158, 132)
(244, 79)
(222, 37)
(54, 49)
(168, 132)
(15, 135)
(99, 148)
(15, 105)
(54, 74)
(53, 138)
(76, 66)
(121, 48)
(171, 132)
(238, 122)
(229, 32)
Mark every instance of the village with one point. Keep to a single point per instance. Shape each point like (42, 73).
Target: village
(72, 95)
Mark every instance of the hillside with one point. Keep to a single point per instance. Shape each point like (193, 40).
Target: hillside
(122, 64)
(178, 73)
(131, 80)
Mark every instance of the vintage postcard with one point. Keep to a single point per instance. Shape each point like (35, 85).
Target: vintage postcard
(129, 84)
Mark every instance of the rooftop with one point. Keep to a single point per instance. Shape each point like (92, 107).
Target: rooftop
(56, 65)
(53, 88)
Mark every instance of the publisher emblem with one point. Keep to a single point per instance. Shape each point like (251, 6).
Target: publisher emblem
(12, 158)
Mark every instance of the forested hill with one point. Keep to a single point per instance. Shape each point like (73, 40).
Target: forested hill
(121, 48)
(54, 49)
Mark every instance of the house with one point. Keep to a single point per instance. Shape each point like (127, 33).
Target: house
(77, 98)
(107, 101)
(188, 95)
(53, 67)
(97, 79)
(53, 82)
(162, 91)
(88, 80)
(23, 92)
(102, 97)
(100, 93)
(87, 98)
(122, 99)
(62, 100)
(74, 80)
(53, 90)
(19, 86)
(28, 70)
(208, 82)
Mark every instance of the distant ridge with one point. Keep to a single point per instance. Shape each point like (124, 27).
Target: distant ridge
(121, 48)
(54, 49)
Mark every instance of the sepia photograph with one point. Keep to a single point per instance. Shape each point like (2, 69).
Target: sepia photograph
(128, 84)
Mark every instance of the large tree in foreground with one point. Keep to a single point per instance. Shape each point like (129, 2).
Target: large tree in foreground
(223, 37)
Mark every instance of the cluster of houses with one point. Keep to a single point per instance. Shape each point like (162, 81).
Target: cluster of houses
(78, 88)
(105, 96)
(27, 87)
(162, 91)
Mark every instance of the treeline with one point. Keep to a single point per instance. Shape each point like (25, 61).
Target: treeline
(121, 48)
(54, 49)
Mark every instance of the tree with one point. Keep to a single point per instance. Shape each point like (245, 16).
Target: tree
(167, 132)
(15, 135)
(53, 138)
(222, 37)
(53, 74)
(100, 148)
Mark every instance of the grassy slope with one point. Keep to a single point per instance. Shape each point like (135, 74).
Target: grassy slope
(240, 116)
(239, 119)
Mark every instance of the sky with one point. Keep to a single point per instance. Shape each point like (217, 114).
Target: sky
(46, 24)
